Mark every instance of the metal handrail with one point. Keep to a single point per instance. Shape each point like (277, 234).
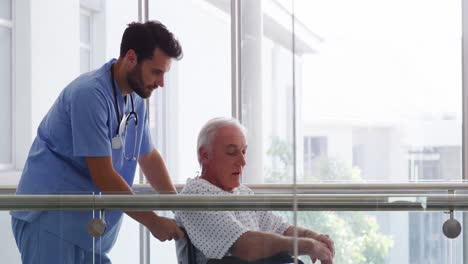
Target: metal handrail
(326, 187)
(375, 196)
(280, 202)
(361, 187)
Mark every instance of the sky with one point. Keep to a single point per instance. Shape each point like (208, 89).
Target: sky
(382, 59)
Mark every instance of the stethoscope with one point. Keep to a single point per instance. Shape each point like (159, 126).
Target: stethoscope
(117, 142)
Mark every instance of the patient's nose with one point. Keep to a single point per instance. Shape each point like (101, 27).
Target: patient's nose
(242, 160)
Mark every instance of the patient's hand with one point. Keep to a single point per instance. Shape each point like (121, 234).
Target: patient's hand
(166, 229)
(317, 250)
(327, 241)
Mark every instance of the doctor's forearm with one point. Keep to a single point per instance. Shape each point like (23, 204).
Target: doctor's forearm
(145, 218)
(105, 177)
(156, 172)
(109, 181)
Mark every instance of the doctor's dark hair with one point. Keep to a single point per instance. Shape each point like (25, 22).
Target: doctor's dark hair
(208, 132)
(143, 38)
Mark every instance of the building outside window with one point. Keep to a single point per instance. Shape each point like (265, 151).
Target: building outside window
(315, 151)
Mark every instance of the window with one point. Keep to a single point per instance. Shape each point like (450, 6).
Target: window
(315, 150)
(266, 90)
(428, 245)
(374, 100)
(93, 28)
(198, 87)
(379, 90)
(6, 84)
(434, 163)
(389, 103)
(85, 40)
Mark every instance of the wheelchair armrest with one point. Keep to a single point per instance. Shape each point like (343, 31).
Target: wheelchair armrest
(281, 258)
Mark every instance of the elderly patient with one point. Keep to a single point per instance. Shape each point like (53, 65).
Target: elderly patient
(248, 235)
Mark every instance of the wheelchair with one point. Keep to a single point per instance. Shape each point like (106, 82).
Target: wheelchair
(281, 258)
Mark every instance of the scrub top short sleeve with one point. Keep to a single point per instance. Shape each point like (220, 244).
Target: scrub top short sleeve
(89, 123)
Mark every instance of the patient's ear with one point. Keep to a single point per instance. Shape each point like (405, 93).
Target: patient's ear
(203, 151)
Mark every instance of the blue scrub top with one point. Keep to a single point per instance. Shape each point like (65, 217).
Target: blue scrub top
(82, 123)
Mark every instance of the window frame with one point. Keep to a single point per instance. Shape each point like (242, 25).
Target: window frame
(84, 11)
(464, 61)
(9, 24)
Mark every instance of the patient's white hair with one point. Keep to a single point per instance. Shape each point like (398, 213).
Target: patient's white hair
(208, 132)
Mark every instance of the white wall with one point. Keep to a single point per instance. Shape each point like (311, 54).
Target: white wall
(118, 13)
(54, 52)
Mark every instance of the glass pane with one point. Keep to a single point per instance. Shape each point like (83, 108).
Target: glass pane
(380, 102)
(164, 252)
(6, 98)
(85, 28)
(127, 246)
(428, 243)
(359, 236)
(8, 250)
(84, 60)
(40, 233)
(385, 237)
(198, 87)
(5, 9)
(266, 88)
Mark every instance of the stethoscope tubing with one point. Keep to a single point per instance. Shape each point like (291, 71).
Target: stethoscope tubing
(116, 141)
(116, 105)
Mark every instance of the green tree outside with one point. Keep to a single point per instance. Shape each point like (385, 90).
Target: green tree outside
(357, 237)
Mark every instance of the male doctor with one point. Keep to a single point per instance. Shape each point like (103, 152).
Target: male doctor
(90, 142)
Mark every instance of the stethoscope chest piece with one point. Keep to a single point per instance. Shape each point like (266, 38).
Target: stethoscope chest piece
(116, 142)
